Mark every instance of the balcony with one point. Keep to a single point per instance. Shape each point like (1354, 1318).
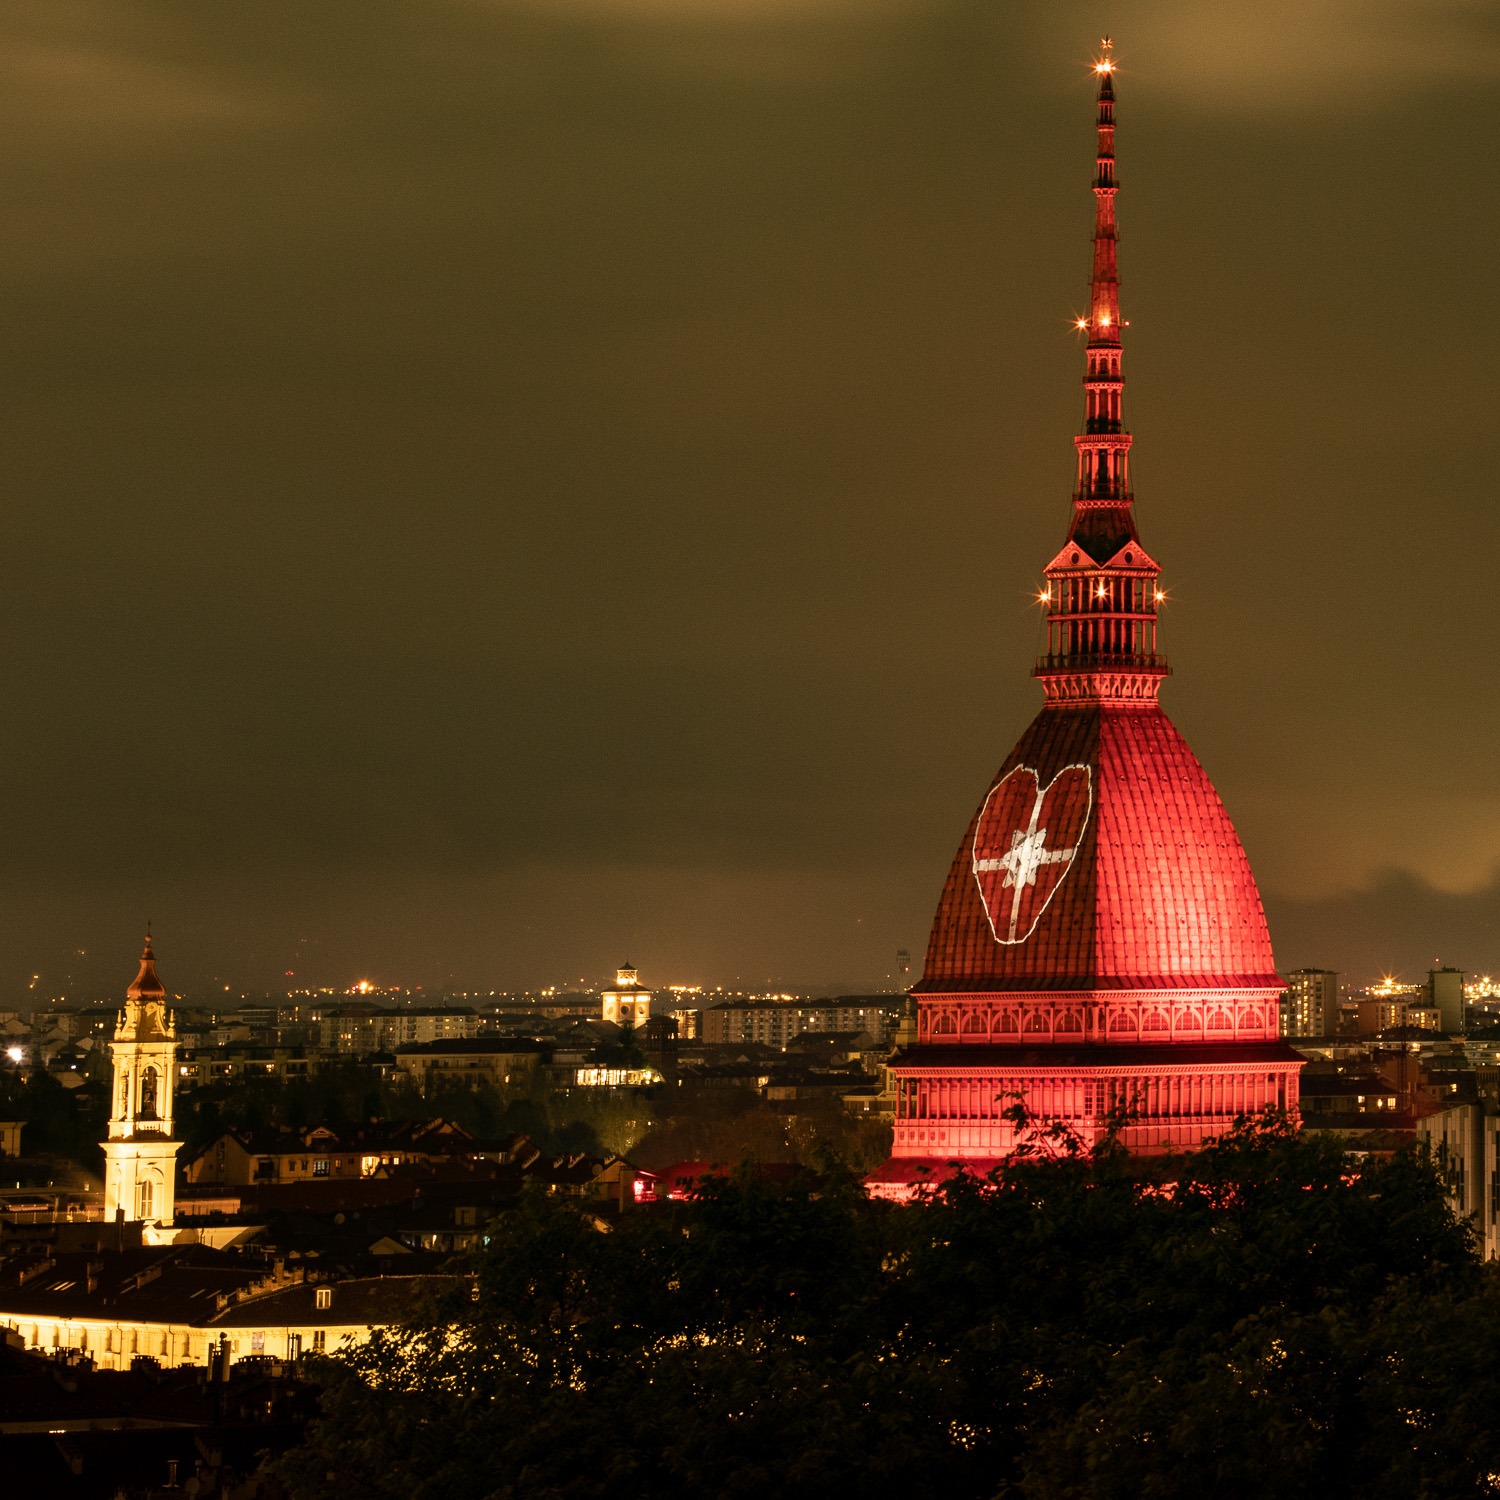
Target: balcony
(1099, 661)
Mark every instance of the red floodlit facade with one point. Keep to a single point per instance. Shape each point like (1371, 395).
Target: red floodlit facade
(1100, 941)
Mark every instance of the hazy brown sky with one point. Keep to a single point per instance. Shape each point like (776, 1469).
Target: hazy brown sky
(490, 487)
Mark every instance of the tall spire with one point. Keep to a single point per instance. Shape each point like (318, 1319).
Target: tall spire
(1102, 592)
(1104, 287)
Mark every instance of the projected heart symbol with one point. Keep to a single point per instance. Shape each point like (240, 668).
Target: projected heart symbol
(1024, 845)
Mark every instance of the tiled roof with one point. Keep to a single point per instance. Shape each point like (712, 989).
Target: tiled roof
(1159, 893)
(368, 1300)
(428, 1137)
(330, 1195)
(173, 1284)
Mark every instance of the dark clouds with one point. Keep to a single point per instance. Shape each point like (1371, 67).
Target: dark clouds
(491, 485)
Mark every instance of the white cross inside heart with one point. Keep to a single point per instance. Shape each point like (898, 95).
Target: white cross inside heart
(1027, 853)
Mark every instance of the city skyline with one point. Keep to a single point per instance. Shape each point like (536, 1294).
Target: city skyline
(587, 504)
(507, 490)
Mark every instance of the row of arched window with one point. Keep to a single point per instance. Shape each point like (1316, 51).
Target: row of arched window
(958, 1024)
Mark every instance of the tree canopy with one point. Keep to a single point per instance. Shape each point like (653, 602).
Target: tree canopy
(1264, 1316)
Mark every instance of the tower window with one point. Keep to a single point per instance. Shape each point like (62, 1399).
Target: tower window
(148, 1094)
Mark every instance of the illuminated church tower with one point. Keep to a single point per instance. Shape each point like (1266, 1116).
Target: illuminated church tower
(628, 1004)
(1100, 941)
(140, 1156)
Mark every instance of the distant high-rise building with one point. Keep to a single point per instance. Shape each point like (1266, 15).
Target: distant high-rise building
(140, 1155)
(1445, 988)
(1311, 1003)
(1100, 948)
(628, 1004)
(774, 1023)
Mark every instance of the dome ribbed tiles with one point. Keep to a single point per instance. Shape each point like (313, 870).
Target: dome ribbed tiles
(1100, 858)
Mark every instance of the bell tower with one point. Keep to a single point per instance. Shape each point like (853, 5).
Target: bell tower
(140, 1156)
(628, 1004)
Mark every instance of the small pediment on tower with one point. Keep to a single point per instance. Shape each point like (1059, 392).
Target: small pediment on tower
(1071, 556)
(1130, 557)
(1133, 557)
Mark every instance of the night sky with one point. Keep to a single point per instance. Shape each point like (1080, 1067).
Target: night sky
(491, 489)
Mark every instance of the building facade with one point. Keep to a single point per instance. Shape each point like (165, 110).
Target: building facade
(1099, 953)
(241, 1158)
(1445, 994)
(1375, 1016)
(360, 1028)
(504, 1062)
(1465, 1141)
(140, 1155)
(775, 1023)
(1311, 1003)
(183, 1306)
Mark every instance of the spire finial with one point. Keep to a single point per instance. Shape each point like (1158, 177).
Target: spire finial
(146, 983)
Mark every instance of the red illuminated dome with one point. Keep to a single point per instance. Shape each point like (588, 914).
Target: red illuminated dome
(1132, 878)
(1100, 943)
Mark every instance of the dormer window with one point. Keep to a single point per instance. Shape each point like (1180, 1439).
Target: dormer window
(323, 1298)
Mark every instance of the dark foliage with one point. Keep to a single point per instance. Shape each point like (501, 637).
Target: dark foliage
(345, 1095)
(694, 1123)
(622, 1050)
(1265, 1319)
(59, 1121)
